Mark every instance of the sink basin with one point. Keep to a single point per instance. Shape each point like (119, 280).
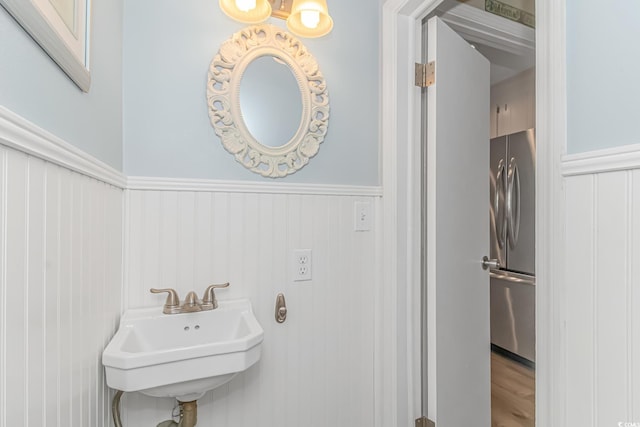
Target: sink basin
(182, 355)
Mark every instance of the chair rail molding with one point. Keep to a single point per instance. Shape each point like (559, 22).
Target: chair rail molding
(20, 134)
(626, 157)
(224, 186)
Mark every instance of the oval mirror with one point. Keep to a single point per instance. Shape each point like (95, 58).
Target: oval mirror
(270, 101)
(271, 125)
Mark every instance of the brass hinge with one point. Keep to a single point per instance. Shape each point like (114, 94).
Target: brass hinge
(424, 422)
(425, 74)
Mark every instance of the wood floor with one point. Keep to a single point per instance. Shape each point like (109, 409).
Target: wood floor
(512, 393)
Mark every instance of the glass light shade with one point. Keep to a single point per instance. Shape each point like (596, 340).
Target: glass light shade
(260, 13)
(246, 5)
(310, 18)
(303, 17)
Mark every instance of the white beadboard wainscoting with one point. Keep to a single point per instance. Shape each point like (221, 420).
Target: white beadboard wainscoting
(317, 368)
(60, 279)
(602, 304)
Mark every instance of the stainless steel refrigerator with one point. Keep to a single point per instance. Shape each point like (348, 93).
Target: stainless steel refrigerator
(512, 216)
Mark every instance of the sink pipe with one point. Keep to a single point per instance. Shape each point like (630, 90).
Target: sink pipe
(188, 416)
(188, 413)
(115, 408)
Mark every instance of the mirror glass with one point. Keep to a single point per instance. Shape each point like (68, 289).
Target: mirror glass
(270, 101)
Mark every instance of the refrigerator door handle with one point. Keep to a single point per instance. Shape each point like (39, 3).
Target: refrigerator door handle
(499, 205)
(513, 203)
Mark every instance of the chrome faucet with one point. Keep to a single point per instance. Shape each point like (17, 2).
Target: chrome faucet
(191, 302)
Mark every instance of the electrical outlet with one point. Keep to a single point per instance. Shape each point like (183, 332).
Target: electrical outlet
(363, 216)
(301, 265)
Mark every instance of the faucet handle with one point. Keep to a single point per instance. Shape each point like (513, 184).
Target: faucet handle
(209, 301)
(172, 305)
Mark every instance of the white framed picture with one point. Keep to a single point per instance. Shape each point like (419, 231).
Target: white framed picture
(61, 28)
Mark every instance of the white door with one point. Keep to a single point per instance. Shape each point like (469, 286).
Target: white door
(457, 232)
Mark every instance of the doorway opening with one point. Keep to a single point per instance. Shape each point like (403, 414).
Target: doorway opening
(510, 48)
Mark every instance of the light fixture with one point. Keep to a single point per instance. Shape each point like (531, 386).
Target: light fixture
(247, 11)
(309, 18)
(305, 18)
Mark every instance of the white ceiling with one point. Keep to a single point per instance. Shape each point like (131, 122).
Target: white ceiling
(505, 64)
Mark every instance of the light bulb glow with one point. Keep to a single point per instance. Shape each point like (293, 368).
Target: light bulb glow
(310, 18)
(246, 5)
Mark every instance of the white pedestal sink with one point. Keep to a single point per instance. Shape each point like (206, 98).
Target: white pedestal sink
(182, 355)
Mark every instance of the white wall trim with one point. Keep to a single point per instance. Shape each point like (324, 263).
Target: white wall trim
(626, 157)
(220, 186)
(22, 135)
(551, 137)
(399, 379)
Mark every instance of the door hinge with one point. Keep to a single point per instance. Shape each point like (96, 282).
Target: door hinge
(424, 422)
(425, 74)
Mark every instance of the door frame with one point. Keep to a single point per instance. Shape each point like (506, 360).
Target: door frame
(397, 391)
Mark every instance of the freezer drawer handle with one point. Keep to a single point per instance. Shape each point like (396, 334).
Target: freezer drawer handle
(490, 263)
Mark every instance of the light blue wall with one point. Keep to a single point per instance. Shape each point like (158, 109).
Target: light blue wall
(603, 70)
(34, 87)
(168, 46)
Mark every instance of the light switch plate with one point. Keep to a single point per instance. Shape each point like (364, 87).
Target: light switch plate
(363, 216)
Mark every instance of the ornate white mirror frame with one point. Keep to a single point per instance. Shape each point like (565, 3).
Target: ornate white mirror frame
(223, 98)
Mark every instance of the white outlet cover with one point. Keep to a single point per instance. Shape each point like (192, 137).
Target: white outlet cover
(301, 265)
